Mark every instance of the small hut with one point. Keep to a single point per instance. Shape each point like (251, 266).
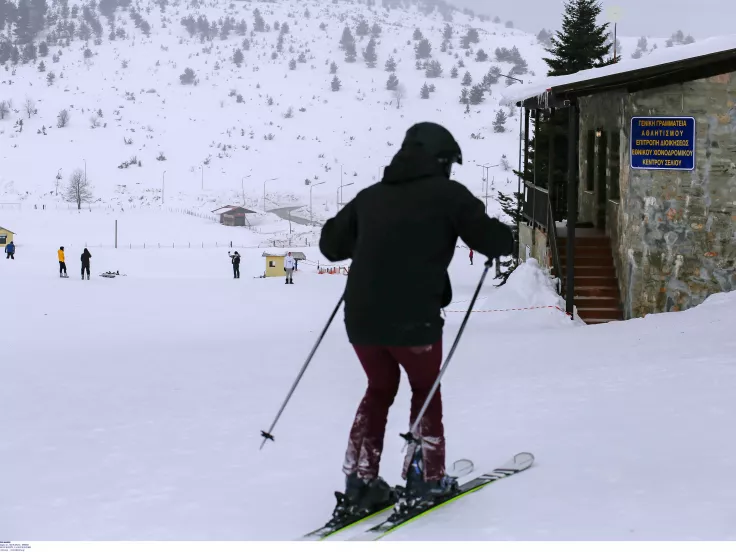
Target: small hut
(6, 236)
(231, 215)
(275, 262)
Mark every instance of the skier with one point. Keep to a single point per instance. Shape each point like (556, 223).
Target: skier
(471, 257)
(62, 264)
(412, 218)
(236, 264)
(10, 250)
(289, 268)
(86, 256)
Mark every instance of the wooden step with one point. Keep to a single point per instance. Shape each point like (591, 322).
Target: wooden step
(597, 271)
(583, 252)
(601, 314)
(589, 241)
(595, 281)
(596, 290)
(597, 302)
(587, 259)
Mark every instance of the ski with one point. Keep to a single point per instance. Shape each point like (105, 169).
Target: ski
(403, 515)
(332, 528)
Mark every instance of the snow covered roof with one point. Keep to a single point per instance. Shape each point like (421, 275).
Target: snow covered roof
(298, 255)
(702, 52)
(225, 209)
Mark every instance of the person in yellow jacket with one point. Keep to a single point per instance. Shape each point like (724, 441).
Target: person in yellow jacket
(62, 263)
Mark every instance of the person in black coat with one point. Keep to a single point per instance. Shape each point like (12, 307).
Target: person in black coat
(86, 256)
(236, 264)
(401, 235)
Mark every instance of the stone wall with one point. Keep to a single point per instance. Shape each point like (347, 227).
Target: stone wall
(675, 235)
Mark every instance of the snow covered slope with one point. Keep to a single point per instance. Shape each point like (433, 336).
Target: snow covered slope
(266, 119)
(133, 406)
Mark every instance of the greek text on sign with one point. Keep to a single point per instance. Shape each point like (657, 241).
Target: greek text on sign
(663, 143)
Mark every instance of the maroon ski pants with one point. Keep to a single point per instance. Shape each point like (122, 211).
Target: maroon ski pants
(381, 365)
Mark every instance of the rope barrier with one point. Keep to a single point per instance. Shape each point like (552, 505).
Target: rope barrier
(516, 309)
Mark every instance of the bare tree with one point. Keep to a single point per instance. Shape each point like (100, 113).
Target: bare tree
(4, 109)
(94, 121)
(399, 94)
(30, 107)
(78, 190)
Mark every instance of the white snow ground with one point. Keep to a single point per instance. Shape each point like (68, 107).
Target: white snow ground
(132, 407)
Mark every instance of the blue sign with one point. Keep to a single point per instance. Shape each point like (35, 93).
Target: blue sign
(663, 143)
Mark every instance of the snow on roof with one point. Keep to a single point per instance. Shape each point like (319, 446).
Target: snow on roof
(298, 255)
(225, 209)
(713, 45)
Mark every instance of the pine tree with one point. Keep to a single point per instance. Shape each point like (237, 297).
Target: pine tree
(453, 72)
(510, 208)
(499, 122)
(467, 79)
(347, 38)
(350, 52)
(333, 68)
(376, 30)
(423, 50)
(447, 33)
(362, 29)
(392, 83)
(417, 34)
(43, 49)
(335, 84)
(433, 70)
(390, 64)
(23, 31)
(582, 43)
(424, 92)
(259, 24)
(369, 54)
(292, 64)
(238, 57)
(481, 55)
(464, 97)
(476, 95)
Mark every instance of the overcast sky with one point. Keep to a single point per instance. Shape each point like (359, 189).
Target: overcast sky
(654, 18)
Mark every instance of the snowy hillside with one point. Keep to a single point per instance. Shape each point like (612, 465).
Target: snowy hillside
(272, 116)
(136, 403)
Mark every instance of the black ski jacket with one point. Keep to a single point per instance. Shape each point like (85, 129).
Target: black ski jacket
(401, 235)
(86, 256)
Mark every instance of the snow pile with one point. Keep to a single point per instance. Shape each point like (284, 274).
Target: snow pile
(527, 299)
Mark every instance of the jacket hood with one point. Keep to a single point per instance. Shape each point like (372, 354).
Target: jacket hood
(411, 163)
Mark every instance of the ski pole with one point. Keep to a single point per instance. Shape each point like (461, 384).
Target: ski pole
(410, 436)
(268, 435)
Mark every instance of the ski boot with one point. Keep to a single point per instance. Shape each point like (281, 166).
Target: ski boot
(362, 497)
(420, 493)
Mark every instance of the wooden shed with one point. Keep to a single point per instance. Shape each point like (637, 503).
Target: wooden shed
(275, 262)
(233, 216)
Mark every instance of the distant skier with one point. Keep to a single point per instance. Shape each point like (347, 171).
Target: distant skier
(10, 250)
(62, 264)
(471, 257)
(289, 264)
(412, 218)
(235, 257)
(86, 256)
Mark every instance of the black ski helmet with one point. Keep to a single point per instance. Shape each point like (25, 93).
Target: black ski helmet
(437, 141)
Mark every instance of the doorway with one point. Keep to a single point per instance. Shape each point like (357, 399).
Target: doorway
(601, 166)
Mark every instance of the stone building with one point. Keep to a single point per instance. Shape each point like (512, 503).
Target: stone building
(648, 197)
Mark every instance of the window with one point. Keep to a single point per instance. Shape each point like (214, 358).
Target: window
(590, 162)
(3, 239)
(271, 264)
(613, 163)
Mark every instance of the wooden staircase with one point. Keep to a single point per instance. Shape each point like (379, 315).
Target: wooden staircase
(597, 295)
